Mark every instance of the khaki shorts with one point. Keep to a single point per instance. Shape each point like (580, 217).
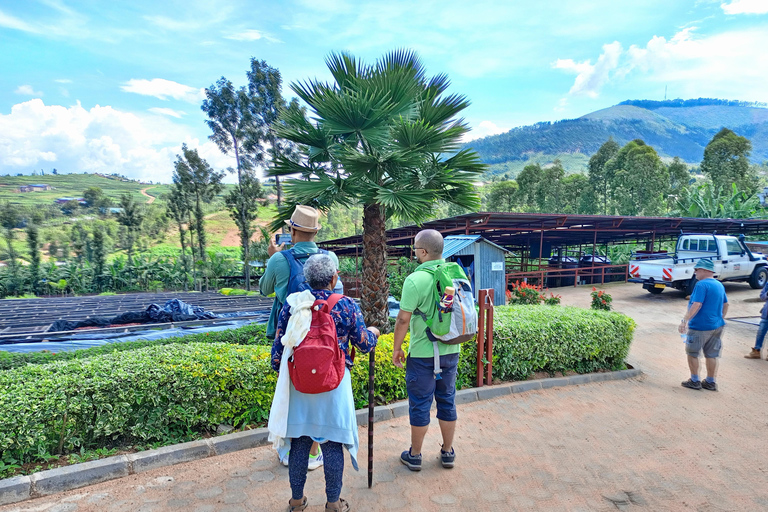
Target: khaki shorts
(709, 341)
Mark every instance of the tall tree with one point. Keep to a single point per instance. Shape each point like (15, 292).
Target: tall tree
(265, 91)
(726, 161)
(503, 196)
(33, 245)
(242, 203)
(601, 176)
(201, 183)
(679, 177)
(131, 216)
(230, 119)
(574, 188)
(549, 193)
(528, 183)
(640, 180)
(179, 210)
(383, 135)
(99, 257)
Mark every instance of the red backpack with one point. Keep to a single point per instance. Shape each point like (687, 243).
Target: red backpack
(318, 363)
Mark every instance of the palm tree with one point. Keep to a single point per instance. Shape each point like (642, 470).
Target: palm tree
(383, 135)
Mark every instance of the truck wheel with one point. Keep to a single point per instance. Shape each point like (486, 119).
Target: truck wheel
(690, 286)
(758, 278)
(655, 291)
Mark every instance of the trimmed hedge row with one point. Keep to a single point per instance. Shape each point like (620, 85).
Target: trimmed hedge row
(253, 334)
(162, 393)
(552, 339)
(171, 392)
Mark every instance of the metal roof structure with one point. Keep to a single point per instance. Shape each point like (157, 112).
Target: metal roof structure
(523, 231)
(455, 243)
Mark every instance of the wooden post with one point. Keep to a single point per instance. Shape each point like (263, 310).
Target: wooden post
(489, 336)
(481, 336)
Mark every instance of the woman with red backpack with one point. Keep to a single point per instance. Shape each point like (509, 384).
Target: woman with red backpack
(313, 398)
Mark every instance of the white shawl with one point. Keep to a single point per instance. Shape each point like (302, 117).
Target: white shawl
(295, 332)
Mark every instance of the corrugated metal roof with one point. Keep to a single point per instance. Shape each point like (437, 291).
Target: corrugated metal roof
(453, 244)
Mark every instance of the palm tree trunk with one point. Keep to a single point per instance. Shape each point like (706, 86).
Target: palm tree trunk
(375, 285)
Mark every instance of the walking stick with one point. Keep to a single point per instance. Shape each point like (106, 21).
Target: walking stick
(371, 366)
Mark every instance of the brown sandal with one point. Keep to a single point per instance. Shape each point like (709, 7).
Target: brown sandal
(339, 506)
(297, 508)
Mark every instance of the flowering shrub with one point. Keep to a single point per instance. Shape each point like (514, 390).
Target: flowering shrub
(552, 300)
(524, 293)
(601, 300)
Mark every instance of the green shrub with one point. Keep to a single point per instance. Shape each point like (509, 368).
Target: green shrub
(162, 393)
(180, 388)
(556, 339)
(601, 301)
(253, 334)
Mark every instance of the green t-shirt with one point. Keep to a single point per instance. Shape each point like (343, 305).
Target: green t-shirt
(417, 294)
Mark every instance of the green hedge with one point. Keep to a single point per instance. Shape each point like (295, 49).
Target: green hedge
(254, 334)
(163, 393)
(168, 391)
(528, 339)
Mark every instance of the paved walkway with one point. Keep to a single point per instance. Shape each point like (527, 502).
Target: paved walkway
(641, 444)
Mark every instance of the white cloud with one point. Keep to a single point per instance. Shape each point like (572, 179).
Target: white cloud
(252, 35)
(731, 65)
(63, 81)
(27, 90)
(8, 21)
(102, 139)
(168, 112)
(484, 129)
(164, 89)
(745, 7)
(591, 78)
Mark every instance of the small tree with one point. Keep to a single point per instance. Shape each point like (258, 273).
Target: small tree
(243, 205)
(131, 217)
(99, 258)
(33, 244)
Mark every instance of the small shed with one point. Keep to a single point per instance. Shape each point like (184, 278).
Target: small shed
(483, 261)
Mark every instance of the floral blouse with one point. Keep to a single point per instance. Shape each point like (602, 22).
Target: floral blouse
(350, 328)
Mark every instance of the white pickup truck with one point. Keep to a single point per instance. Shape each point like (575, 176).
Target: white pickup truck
(732, 259)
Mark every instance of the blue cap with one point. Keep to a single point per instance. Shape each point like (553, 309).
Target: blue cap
(705, 264)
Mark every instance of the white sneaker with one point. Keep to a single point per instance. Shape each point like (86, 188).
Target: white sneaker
(284, 460)
(315, 462)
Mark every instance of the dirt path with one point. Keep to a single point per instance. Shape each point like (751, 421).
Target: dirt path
(144, 193)
(639, 444)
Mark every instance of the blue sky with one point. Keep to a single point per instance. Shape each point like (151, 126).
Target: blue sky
(116, 86)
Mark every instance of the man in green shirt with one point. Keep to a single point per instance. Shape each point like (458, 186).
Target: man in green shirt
(304, 225)
(420, 366)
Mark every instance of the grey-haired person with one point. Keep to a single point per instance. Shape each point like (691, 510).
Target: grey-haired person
(329, 417)
(704, 322)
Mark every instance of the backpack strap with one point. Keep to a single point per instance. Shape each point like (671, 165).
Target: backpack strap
(331, 301)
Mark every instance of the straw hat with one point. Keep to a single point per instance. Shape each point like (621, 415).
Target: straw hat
(304, 218)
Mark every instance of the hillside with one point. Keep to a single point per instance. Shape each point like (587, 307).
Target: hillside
(72, 185)
(673, 128)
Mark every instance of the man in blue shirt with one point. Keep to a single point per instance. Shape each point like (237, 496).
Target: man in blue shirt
(704, 321)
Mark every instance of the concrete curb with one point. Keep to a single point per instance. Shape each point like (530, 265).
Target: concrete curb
(52, 481)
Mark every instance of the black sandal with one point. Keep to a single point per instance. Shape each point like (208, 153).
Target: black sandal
(343, 506)
(297, 508)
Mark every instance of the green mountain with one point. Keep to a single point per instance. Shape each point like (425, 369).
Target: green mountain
(674, 128)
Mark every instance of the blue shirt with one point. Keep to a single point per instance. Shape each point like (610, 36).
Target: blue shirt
(711, 294)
